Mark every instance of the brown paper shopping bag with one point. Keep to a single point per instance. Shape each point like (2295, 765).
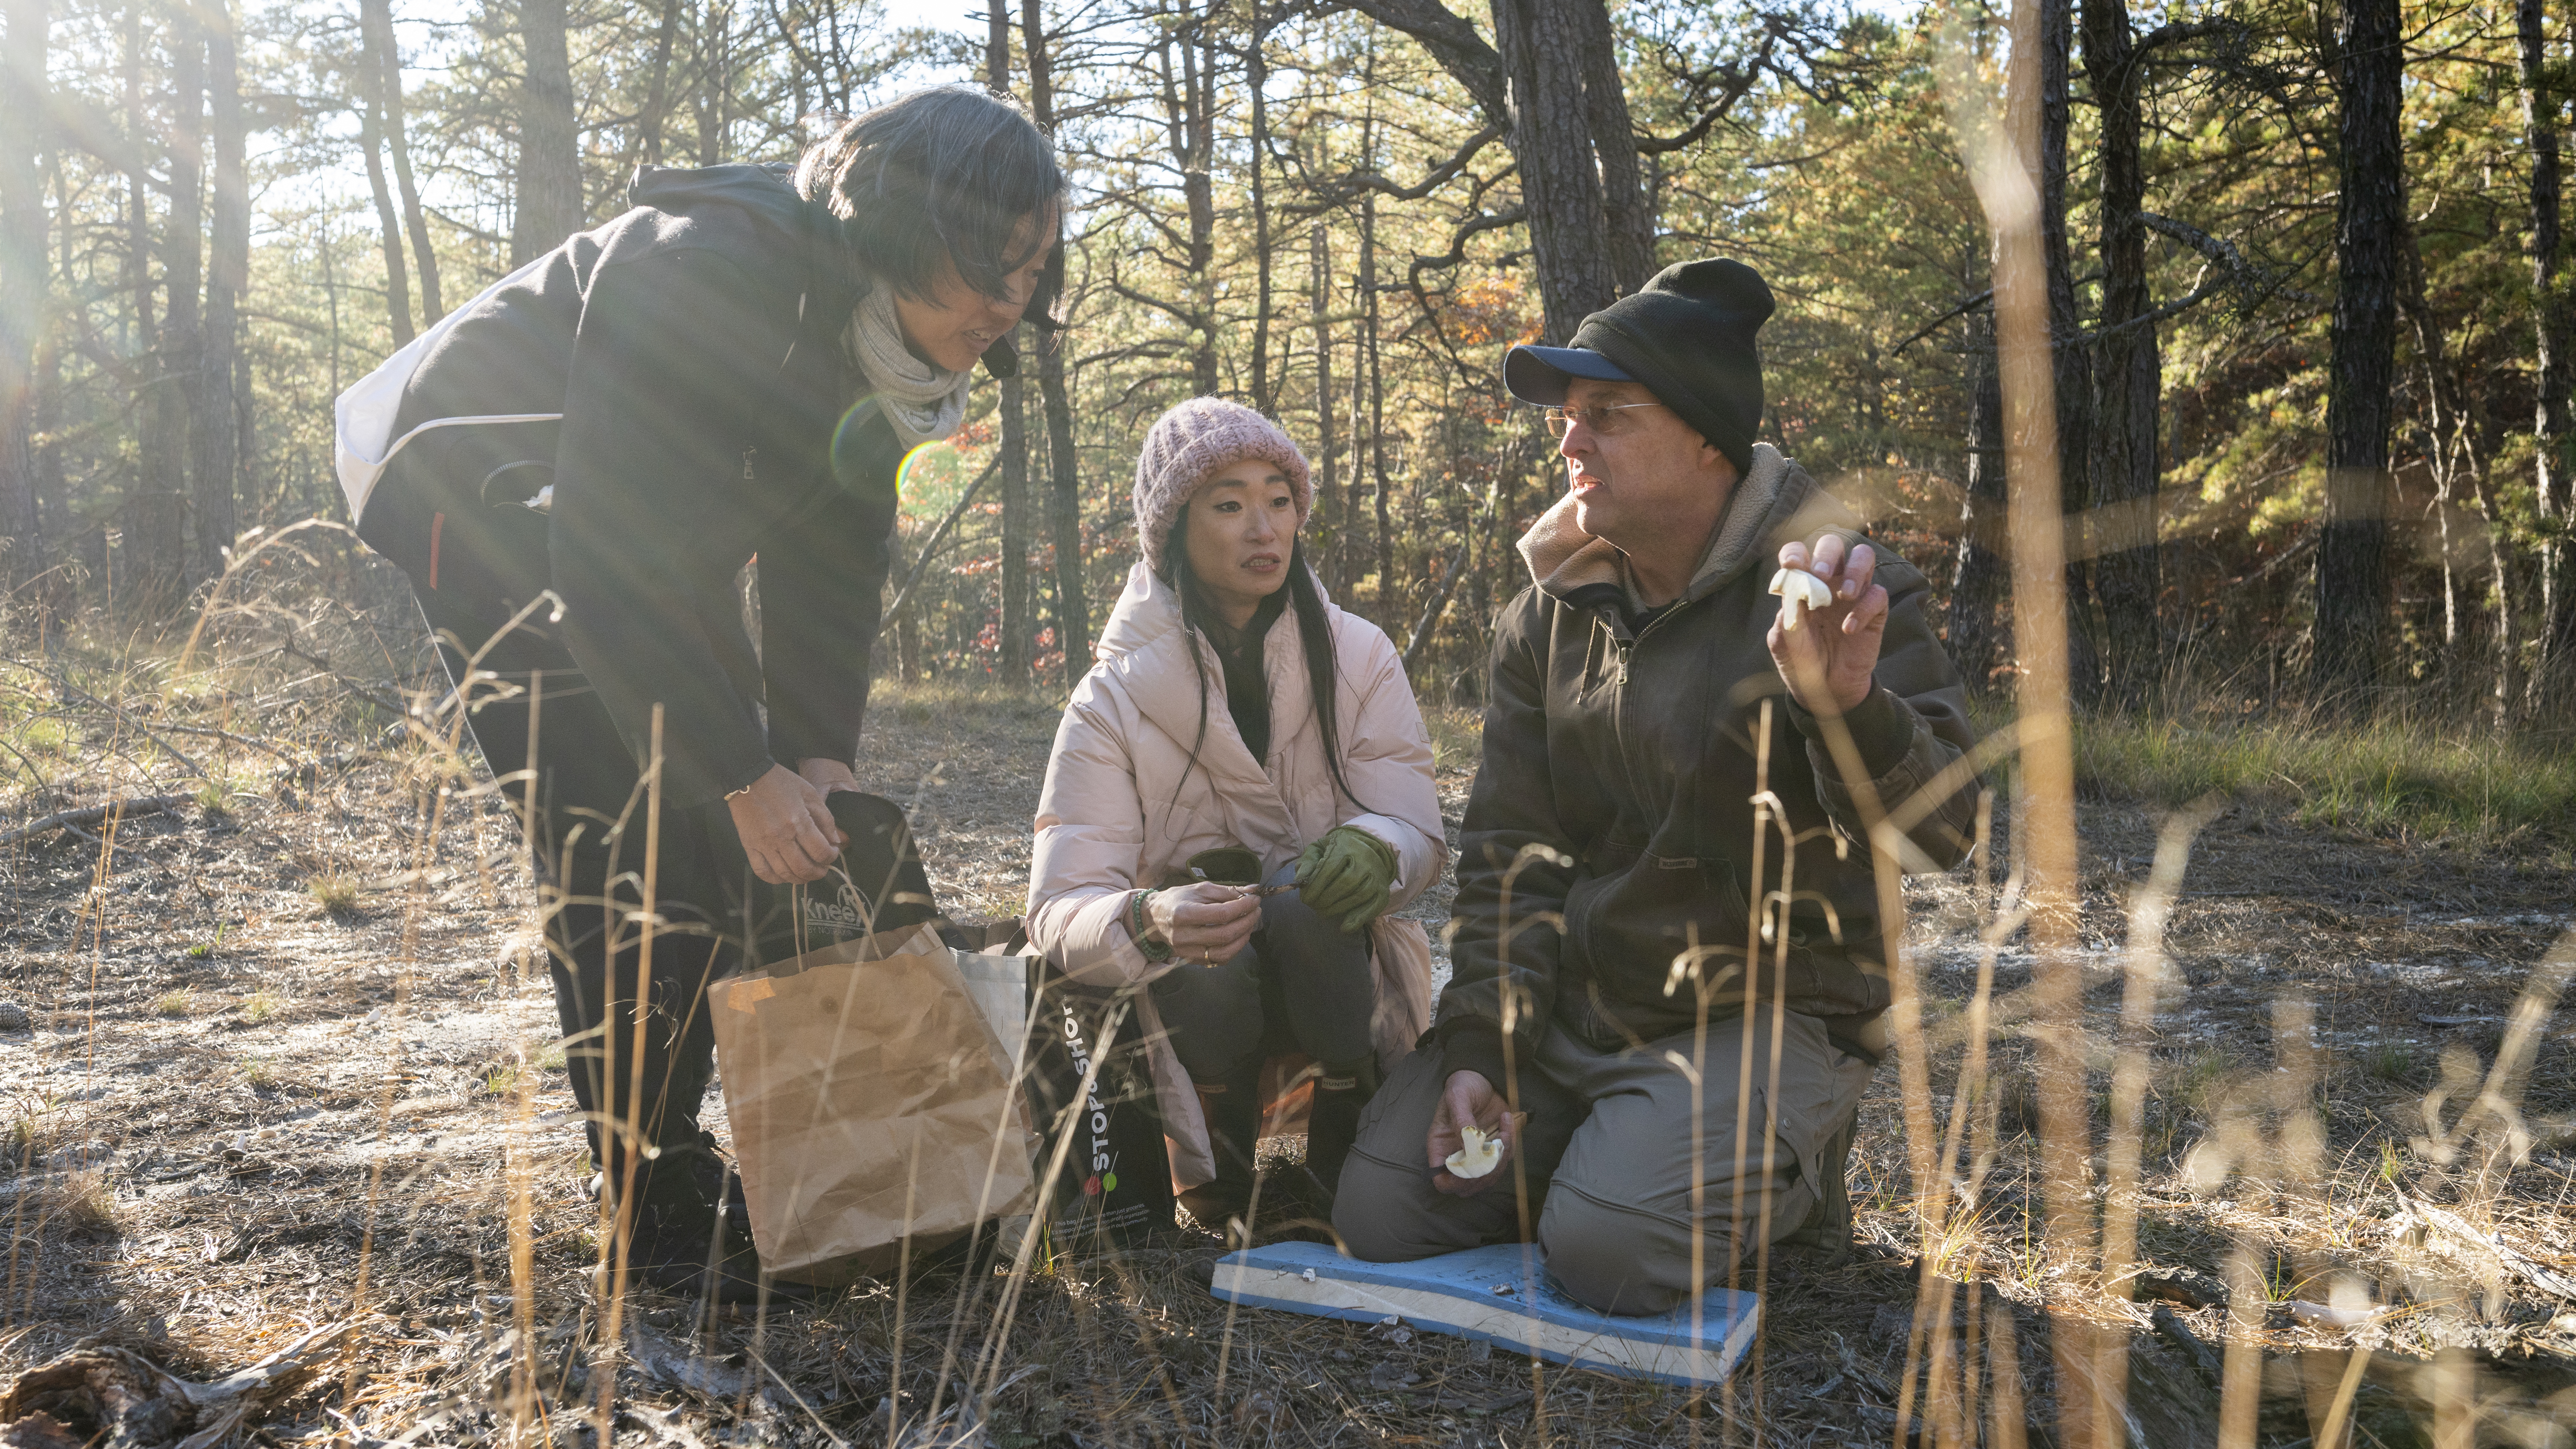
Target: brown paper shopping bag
(871, 1101)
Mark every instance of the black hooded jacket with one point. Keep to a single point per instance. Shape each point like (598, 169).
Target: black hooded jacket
(693, 348)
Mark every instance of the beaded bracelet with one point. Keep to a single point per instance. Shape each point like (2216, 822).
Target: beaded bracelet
(1137, 926)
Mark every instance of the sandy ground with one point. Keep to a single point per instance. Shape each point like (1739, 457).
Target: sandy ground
(283, 1062)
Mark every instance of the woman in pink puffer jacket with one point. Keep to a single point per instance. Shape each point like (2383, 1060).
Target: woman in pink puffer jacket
(1199, 730)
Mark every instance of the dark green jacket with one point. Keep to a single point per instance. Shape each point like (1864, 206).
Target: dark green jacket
(1611, 827)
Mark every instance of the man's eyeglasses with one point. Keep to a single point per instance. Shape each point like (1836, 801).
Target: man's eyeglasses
(1604, 421)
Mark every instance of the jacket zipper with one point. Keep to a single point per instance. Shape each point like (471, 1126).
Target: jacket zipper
(1619, 700)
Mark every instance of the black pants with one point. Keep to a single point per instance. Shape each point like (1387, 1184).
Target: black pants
(1301, 982)
(640, 1052)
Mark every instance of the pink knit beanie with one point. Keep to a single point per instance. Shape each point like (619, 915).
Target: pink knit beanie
(1194, 442)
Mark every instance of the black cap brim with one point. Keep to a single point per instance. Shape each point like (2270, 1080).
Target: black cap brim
(1540, 374)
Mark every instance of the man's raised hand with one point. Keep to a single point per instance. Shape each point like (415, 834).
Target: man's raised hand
(1828, 662)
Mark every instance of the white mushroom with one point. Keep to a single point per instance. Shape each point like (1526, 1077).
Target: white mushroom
(1480, 1155)
(1799, 590)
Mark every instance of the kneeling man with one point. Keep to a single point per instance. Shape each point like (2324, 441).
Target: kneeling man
(1661, 1107)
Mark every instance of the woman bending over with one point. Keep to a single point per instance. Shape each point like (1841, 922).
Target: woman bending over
(1240, 729)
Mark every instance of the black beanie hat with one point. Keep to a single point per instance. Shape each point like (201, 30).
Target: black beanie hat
(1687, 335)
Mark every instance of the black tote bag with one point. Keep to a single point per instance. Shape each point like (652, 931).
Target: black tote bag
(877, 885)
(1115, 1187)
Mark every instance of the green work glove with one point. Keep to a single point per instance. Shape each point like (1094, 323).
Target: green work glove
(1347, 873)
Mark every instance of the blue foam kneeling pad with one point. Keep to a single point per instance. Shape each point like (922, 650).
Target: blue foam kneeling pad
(1501, 1295)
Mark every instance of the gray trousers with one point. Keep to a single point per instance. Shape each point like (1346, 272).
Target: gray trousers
(1303, 982)
(1611, 1155)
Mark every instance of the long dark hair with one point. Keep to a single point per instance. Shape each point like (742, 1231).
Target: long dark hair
(1314, 630)
(936, 178)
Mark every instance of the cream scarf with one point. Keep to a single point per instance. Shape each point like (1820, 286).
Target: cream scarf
(926, 403)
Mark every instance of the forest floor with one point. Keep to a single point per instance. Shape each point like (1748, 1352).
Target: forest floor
(278, 1058)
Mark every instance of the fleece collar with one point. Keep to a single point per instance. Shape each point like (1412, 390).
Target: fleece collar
(1146, 650)
(1563, 558)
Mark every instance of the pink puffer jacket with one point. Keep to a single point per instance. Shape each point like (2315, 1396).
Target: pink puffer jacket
(1122, 806)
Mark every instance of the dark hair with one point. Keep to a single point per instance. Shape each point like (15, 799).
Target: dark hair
(1313, 630)
(938, 178)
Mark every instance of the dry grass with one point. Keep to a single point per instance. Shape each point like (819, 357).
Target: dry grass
(365, 1134)
(2416, 780)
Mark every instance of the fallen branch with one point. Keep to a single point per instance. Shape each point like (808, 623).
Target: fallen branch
(104, 1392)
(380, 700)
(74, 819)
(64, 686)
(222, 734)
(2414, 1213)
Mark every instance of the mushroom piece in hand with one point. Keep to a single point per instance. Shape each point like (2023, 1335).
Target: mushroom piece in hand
(1479, 1156)
(1799, 591)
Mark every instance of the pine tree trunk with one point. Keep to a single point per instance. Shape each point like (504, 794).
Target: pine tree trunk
(153, 557)
(23, 279)
(717, 111)
(2554, 480)
(1531, 86)
(1541, 46)
(371, 136)
(1368, 452)
(549, 180)
(215, 444)
(376, 29)
(2127, 382)
(657, 88)
(1256, 79)
(331, 302)
(1018, 628)
(246, 474)
(1017, 625)
(1328, 489)
(2072, 368)
(1629, 222)
(1983, 572)
(161, 566)
(1389, 599)
(1064, 469)
(138, 215)
(2352, 575)
(53, 506)
(1196, 116)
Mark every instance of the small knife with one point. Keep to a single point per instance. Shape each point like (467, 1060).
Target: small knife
(1263, 890)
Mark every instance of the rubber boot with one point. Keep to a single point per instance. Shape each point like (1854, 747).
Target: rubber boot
(1232, 1109)
(1333, 1122)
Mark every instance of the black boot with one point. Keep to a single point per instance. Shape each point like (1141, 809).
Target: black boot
(706, 1166)
(1333, 1122)
(1232, 1109)
(691, 1230)
(682, 1248)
